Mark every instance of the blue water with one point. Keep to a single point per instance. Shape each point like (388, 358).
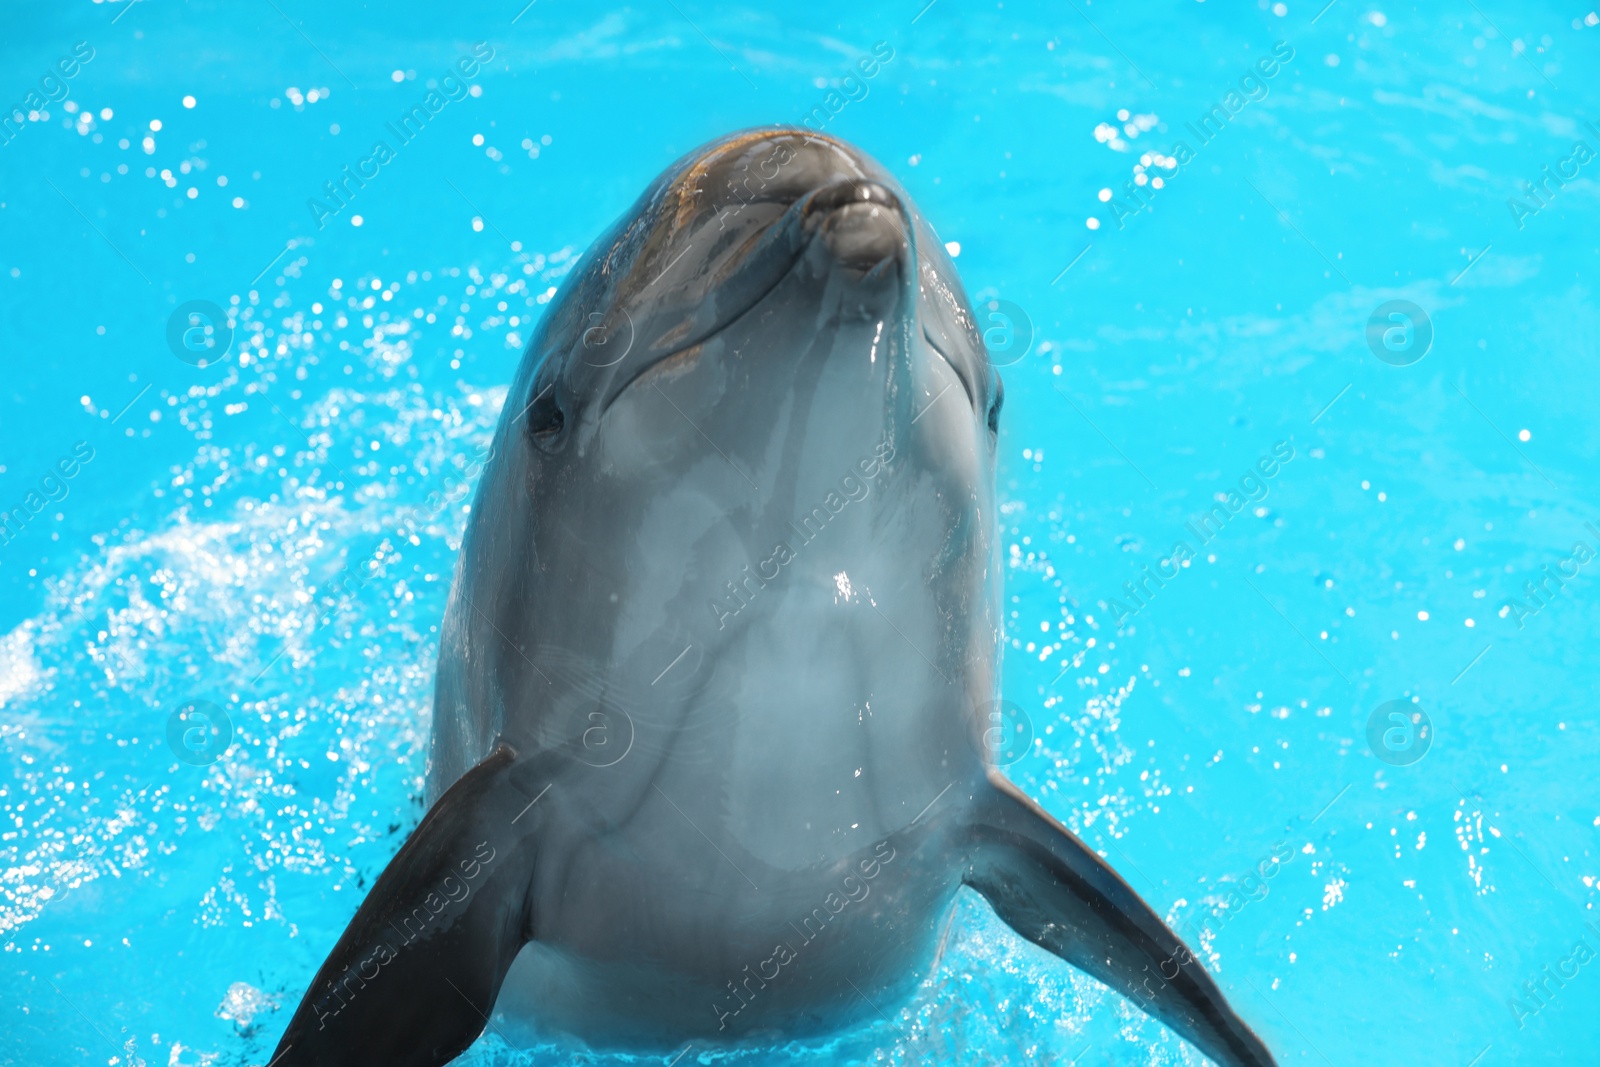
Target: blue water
(161, 910)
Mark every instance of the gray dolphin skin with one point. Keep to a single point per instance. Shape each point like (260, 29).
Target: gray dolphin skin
(709, 759)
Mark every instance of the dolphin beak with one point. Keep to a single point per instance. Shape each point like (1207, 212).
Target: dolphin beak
(855, 229)
(861, 222)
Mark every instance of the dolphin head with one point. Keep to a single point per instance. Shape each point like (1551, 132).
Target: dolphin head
(780, 283)
(757, 423)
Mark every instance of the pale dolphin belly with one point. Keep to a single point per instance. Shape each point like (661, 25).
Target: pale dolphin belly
(768, 805)
(666, 961)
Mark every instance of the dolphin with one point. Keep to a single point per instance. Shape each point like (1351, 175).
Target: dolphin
(711, 751)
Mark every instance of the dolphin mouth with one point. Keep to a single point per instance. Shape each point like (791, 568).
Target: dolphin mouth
(961, 376)
(862, 223)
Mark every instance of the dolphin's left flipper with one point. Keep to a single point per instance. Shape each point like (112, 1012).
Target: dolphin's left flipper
(413, 979)
(1048, 887)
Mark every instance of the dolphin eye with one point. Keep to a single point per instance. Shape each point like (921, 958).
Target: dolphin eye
(996, 404)
(545, 418)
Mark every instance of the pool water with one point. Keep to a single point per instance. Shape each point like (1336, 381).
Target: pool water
(1343, 354)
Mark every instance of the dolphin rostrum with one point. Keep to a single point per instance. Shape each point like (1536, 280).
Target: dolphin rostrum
(709, 761)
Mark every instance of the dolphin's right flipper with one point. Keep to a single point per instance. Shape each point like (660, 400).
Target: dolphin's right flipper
(412, 981)
(1048, 887)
